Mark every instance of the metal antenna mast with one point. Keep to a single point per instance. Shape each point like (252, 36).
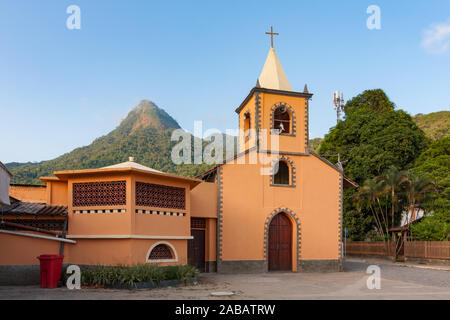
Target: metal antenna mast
(338, 104)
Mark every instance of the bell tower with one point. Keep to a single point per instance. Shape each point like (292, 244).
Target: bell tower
(274, 108)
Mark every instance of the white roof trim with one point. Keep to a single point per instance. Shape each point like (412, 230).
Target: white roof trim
(129, 236)
(133, 165)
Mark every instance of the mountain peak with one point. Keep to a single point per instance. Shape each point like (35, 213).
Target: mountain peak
(145, 105)
(147, 114)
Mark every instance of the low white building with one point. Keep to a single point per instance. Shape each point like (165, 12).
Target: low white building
(5, 177)
(407, 216)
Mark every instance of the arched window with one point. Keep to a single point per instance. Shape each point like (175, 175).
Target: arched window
(247, 125)
(282, 175)
(159, 252)
(282, 119)
(162, 252)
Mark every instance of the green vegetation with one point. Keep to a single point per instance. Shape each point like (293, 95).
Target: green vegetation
(435, 227)
(397, 159)
(434, 163)
(436, 125)
(314, 144)
(393, 190)
(144, 134)
(108, 276)
(372, 138)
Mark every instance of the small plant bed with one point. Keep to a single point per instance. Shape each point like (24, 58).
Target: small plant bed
(137, 277)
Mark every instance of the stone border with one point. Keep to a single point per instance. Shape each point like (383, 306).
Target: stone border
(243, 266)
(266, 233)
(293, 173)
(20, 275)
(219, 215)
(292, 115)
(341, 212)
(154, 285)
(257, 117)
(322, 266)
(307, 126)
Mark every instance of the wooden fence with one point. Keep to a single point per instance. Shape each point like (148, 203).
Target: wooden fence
(412, 249)
(370, 248)
(428, 249)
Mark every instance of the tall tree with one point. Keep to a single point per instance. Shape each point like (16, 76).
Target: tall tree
(368, 195)
(372, 137)
(417, 188)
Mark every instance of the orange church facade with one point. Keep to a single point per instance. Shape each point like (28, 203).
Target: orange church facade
(230, 219)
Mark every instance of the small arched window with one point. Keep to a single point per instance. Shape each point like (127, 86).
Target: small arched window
(282, 119)
(160, 252)
(282, 175)
(247, 125)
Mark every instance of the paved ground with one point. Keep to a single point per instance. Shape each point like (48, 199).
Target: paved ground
(397, 282)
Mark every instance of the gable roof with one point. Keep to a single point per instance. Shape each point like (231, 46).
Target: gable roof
(348, 183)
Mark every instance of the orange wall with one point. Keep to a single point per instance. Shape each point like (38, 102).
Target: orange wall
(250, 108)
(267, 102)
(204, 200)
(161, 225)
(287, 143)
(100, 252)
(100, 223)
(314, 200)
(57, 193)
(29, 194)
(18, 250)
(119, 251)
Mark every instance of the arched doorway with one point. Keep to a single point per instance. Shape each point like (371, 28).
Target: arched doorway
(280, 243)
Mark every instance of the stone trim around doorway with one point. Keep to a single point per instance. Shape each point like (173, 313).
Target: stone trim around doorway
(266, 234)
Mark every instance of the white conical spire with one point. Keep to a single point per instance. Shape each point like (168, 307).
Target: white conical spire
(272, 75)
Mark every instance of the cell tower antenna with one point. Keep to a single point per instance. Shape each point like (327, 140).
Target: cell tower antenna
(338, 104)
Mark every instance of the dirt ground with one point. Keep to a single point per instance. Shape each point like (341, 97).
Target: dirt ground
(397, 282)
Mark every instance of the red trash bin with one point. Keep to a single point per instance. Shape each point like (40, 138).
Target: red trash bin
(51, 266)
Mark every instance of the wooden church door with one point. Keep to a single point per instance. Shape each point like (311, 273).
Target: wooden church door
(280, 243)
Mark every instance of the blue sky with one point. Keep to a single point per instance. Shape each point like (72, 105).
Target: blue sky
(60, 88)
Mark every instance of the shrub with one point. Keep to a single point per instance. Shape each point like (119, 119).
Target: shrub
(106, 276)
(433, 228)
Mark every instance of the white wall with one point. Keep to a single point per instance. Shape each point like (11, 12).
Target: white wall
(407, 216)
(4, 186)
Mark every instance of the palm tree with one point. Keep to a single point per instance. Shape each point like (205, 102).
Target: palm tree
(417, 187)
(368, 195)
(391, 180)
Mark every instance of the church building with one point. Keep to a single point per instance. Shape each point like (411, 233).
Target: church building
(289, 220)
(234, 218)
